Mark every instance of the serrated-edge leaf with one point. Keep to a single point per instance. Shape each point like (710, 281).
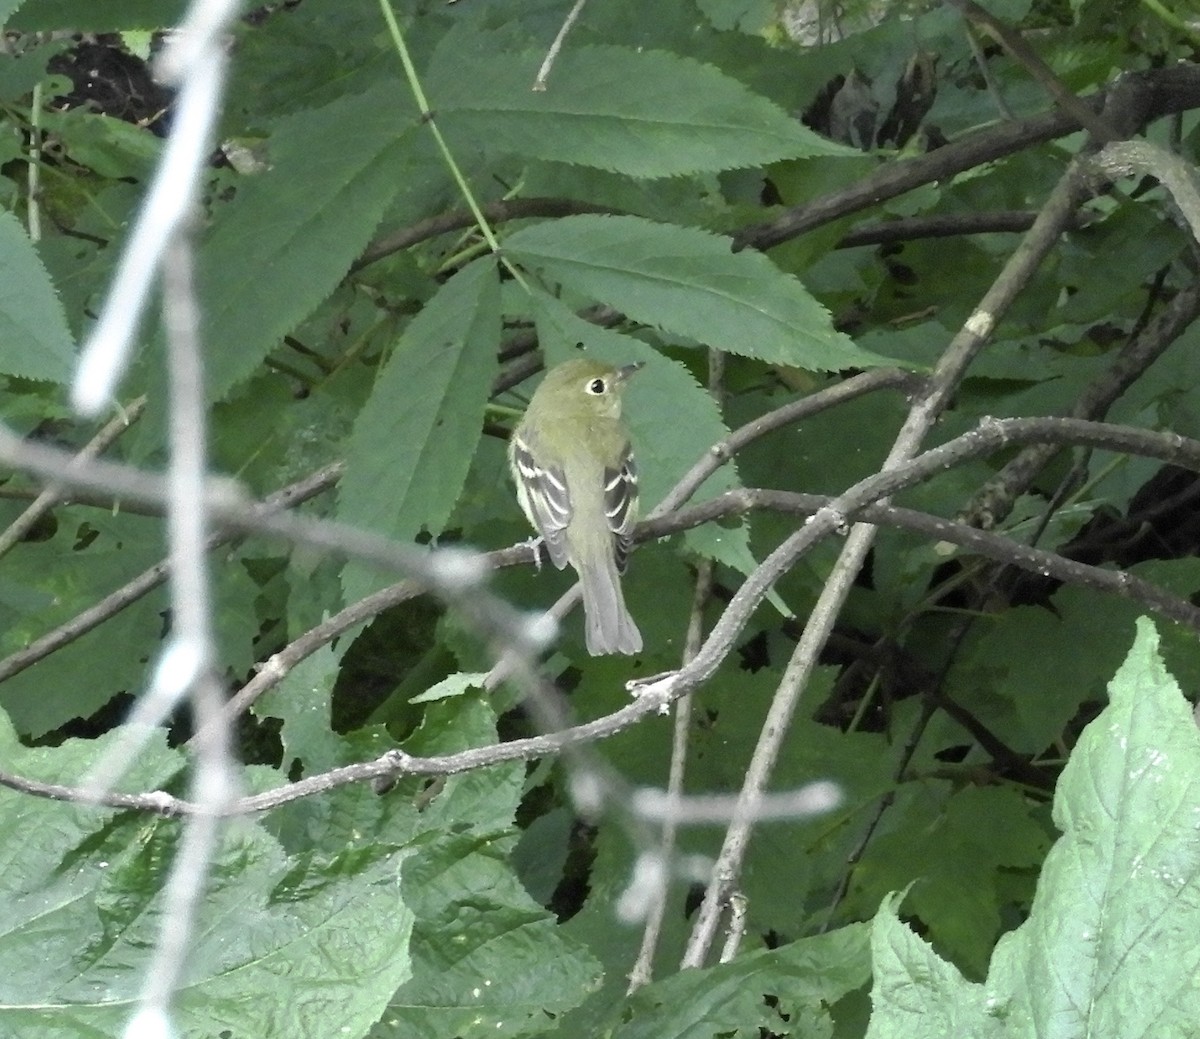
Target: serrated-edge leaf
(915, 991)
(451, 686)
(35, 342)
(283, 947)
(641, 113)
(811, 972)
(412, 443)
(1111, 935)
(688, 282)
(289, 236)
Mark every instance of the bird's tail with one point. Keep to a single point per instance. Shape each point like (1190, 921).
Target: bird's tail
(608, 627)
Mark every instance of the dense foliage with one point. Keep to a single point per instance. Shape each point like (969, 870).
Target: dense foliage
(765, 204)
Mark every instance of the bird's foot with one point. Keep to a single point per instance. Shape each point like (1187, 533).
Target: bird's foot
(535, 546)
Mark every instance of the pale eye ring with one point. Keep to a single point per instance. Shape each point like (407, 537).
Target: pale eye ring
(596, 386)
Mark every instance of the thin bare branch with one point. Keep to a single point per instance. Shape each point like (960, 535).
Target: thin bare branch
(656, 695)
(1014, 43)
(539, 83)
(52, 493)
(148, 580)
(1151, 94)
(923, 413)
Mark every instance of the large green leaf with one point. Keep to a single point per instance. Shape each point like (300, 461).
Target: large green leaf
(46, 583)
(785, 991)
(86, 15)
(642, 113)
(917, 994)
(34, 339)
(965, 875)
(487, 960)
(290, 234)
(285, 946)
(1109, 947)
(687, 282)
(1112, 931)
(414, 439)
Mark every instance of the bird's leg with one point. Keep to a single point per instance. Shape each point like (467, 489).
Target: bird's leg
(534, 544)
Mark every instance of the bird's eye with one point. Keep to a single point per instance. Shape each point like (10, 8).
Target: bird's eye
(596, 386)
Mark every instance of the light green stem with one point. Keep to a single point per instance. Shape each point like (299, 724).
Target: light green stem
(427, 115)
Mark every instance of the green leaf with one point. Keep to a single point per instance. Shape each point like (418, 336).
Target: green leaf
(283, 946)
(1111, 937)
(487, 960)
(962, 873)
(290, 234)
(687, 282)
(110, 147)
(453, 685)
(35, 342)
(918, 994)
(641, 113)
(1109, 947)
(45, 584)
(87, 15)
(802, 979)
(413, 441)
(730, 546)
(748, 16)
(302, 703)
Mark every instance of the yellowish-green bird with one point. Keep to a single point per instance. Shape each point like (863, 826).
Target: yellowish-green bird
(577, 484)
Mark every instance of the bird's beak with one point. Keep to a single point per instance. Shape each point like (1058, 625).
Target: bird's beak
(625, 371)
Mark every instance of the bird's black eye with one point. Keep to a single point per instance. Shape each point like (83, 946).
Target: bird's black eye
(596, 386)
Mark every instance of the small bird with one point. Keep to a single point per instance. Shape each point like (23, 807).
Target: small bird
(577, 484)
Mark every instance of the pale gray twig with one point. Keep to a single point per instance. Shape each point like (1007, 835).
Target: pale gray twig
(1124, 158)
(168, 207)
(187, 666)
(657, 694)
(454, 574)
(193, 60)
(52, 493)
(34, 181)
(923, 413)
(149, 579)
(735, 931)
(539, 84)
(643, 967)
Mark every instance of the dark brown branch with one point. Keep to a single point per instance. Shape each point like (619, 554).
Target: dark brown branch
(461, 219)
(977, 542)
(990, 436)
(1014, 43)
(947, 225)
(148, 580)
(994, 500)
(1151, 95)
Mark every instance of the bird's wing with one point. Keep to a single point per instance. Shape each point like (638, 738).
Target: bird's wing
(620, 505)
(542, 492)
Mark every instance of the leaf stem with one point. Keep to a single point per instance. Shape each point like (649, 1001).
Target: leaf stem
(427, 115)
